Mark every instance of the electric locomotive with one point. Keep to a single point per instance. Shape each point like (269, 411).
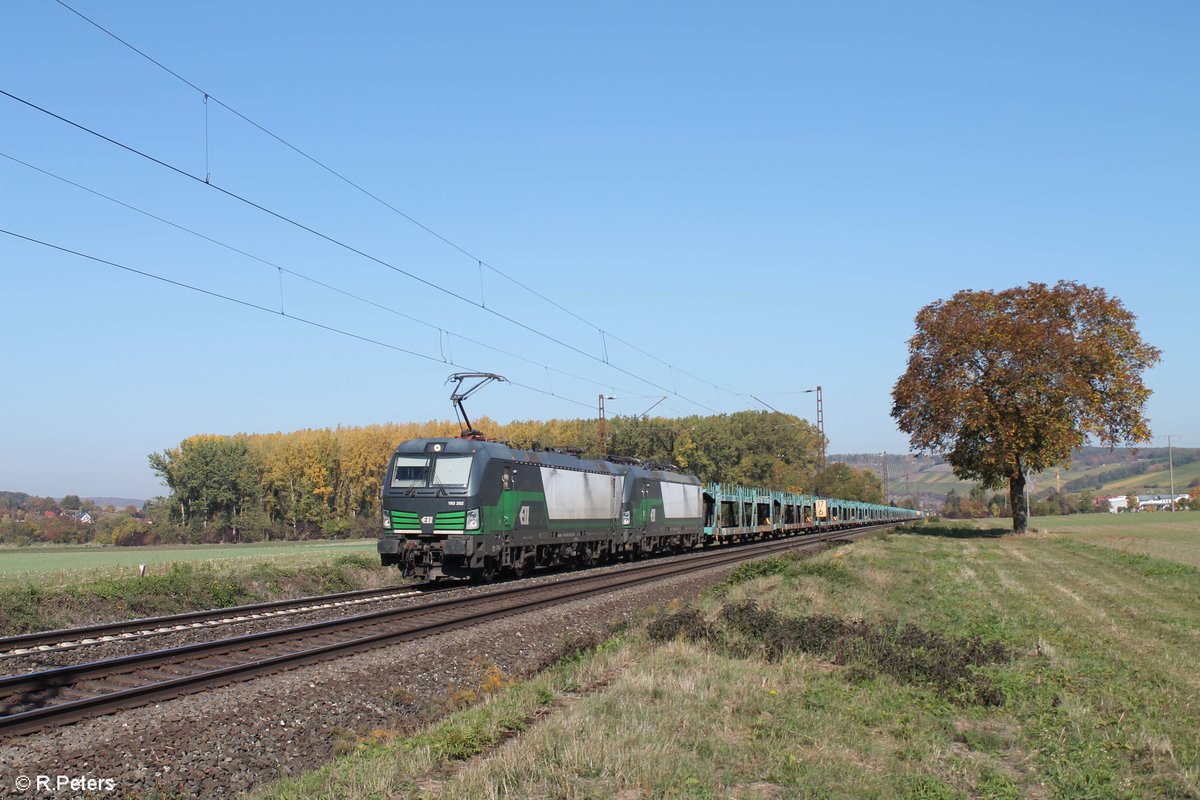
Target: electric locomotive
(470, 508)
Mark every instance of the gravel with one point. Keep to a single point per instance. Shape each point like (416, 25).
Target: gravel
(223, 741)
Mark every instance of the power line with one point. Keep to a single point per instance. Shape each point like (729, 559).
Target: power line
(283, 218)
(271, 311)
(282, 269)
(208, 96)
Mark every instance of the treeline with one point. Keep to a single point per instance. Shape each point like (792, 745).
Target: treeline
(1098, 479)
(1089, 457)
(25, 519)
(977, 504)
(325, 483)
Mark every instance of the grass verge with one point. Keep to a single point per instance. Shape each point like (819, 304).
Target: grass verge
(66, 564)
(916, 666)
(182, 586)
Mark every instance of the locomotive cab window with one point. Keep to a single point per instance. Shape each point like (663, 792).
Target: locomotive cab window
(451, 470)
(423, 471)
(410, 471)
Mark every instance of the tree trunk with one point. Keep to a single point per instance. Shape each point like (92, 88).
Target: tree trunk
(1016, 499)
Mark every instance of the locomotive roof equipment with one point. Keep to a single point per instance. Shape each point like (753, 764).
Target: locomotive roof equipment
(458, 395)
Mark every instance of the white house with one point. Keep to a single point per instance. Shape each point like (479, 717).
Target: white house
(1145, 502)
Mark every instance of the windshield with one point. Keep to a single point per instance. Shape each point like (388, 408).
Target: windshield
(410, 471)
(422, 471)
(451, 471)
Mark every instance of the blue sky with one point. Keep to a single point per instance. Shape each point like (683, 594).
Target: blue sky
(762, 195)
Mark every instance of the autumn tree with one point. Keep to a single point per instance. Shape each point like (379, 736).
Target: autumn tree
(328, 481)
(843, 480)
(1008, 383)
(1193, 500)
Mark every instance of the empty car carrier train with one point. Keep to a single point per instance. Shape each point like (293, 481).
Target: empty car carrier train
(470, 508)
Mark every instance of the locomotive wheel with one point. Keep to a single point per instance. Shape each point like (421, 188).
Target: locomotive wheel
(488, 573)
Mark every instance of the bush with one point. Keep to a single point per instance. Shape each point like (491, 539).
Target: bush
(906, 653)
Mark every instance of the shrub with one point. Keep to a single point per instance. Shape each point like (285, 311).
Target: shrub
(907, 653)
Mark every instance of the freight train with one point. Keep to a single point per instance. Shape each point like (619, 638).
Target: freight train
(471, 508)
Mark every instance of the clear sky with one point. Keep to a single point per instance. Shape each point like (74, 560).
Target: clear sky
(759, 194)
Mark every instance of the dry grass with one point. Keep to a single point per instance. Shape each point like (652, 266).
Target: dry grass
(1100, 692)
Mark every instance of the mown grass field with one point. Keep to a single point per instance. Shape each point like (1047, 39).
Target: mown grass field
(1173, 536)
(45, 588)
(986, 666)
(60, 564)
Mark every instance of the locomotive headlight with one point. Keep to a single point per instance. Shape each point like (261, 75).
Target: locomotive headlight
(625, 518)
(387, 520)
(473, 519)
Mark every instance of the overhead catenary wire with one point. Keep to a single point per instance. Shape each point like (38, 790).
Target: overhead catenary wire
(308, 278)
(271, 311)
(337, 242)
(208, 97)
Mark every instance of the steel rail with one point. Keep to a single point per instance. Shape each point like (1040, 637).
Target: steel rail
(31, 643)
(23, 690)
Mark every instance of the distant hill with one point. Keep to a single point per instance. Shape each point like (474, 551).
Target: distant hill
(115, 502)
(1121, 471)
(21, 500)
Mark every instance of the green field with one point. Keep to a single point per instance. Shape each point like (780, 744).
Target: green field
(44, 588)
(950, 662)
(1161, 535)
(60, 564)
(1159, 480)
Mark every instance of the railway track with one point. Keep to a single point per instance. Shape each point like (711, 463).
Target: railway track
(38, 700)
(128, 630)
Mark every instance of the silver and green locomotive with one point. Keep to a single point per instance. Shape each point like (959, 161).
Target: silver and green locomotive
(469, 508)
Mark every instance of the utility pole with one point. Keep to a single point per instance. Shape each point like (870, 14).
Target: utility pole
(887, 482)
(1028, 491)
(601, 433)
(821, 426)
(820, 430)
(1171, 465)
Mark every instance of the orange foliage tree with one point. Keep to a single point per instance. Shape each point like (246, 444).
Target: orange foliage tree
(1007, 383)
